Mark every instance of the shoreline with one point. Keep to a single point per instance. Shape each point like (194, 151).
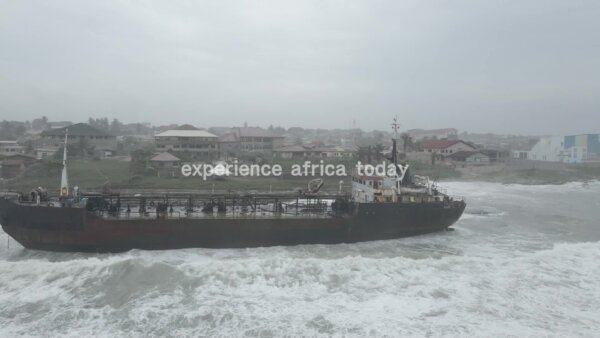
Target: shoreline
(519, 182)
(115, 175)
(531, 173)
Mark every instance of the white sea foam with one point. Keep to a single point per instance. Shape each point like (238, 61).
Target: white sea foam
(503, 272)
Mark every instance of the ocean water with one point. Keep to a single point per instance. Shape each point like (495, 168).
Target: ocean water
(523, 261)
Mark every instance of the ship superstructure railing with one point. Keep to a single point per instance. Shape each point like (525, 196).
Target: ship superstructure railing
(211, 205)
(123, 215)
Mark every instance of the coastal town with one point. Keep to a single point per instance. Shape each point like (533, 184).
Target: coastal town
(160, 151)
(299, 169)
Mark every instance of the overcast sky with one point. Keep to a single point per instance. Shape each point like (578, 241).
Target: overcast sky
(519, 67)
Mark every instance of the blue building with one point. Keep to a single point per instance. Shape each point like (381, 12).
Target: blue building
(581, 148)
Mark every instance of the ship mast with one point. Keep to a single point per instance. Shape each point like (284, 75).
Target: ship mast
(395, 127)
(64, 180)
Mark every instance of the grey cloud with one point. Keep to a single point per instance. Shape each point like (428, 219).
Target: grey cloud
(500, 66)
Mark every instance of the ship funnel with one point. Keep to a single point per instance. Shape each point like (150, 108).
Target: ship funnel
(64, 180)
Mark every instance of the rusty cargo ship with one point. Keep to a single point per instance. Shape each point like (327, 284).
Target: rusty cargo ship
(378, 208)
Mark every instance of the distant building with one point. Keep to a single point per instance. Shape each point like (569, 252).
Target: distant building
(338, 151)
(422, 134)
(42, 153)
(469, 158)
(253, 139)
(10, 148)
(80, 133)
(220, 131)
(566, 149)
(301, 152)
(520, 154)
(136, 141)
(496, 156)
(166, 165)
(582, 148)
(228, 143)
(446, 147)
(247, 139)
(58, 124)
(296, 152)
(197, 144)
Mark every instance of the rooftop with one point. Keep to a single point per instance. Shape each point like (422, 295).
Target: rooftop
(292, 148)
(79, 129)
(338, 148)
(441, 144)
(186, 127)
(227, 138)
(302, 148)
(165, 157)
(432, 131)
(185, 133)
(465, 154)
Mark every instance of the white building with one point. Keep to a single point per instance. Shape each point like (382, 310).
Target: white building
(303, 152)
(446, 147)
(80, 133)
(41, 153)
(469, 158)
(198, 144)
(10, 148)
(566, 149)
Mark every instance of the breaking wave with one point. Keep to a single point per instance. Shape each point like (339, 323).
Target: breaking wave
(499, 274)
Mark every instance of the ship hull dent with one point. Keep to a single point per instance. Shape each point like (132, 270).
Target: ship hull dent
(74, 229)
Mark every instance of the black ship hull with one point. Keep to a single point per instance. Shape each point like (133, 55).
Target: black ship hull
(76, 229)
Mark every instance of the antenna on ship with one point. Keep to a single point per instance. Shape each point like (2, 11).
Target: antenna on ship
(64, 180)
(395, 127)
